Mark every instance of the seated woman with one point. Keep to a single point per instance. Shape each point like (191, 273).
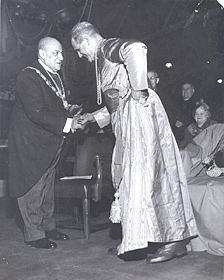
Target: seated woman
(204, 140)
(201, 138)
(202, 116)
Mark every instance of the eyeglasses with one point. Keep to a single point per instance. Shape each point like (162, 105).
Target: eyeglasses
(152, 78)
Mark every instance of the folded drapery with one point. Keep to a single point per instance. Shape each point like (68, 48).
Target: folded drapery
(207, 194)
(205, 146)
(207, 198)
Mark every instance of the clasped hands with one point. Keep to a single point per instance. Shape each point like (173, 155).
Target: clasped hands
(80, 121)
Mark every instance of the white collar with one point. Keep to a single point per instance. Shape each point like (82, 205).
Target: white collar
(48, 69)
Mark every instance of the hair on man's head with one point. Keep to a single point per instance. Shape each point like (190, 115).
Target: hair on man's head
(153, 71)
(188, 83)
(82, 29)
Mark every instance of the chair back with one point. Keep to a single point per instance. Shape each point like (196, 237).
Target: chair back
(103, 186)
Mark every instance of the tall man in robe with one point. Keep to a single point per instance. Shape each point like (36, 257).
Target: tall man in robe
(146, 165)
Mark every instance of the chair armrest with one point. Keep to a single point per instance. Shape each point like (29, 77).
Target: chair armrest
(74, 184)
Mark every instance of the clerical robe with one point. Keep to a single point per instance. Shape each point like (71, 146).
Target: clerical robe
(146, 165)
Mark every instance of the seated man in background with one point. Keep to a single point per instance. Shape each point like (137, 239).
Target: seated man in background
(184, 108)
(153, 79)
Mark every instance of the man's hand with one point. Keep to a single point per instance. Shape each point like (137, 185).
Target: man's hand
(178, 124)
(75, 110)
(77, 123)
(207, 160)
(136, 94)
(80, 121)
(140, 95)
(86, 118)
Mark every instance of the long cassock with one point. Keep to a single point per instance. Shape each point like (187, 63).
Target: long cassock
(146, 164)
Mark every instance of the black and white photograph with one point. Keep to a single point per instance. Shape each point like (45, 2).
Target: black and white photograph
(112, 139)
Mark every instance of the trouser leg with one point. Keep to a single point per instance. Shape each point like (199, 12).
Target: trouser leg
(30, 206)
(48, 202)
(37, 205)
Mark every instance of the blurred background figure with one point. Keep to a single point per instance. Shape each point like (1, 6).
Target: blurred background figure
(203, 139)
(202, 115)
(184, 110)
(153, 79)
(153, 82)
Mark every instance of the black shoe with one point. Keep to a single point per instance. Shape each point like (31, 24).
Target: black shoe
(54, 234)
(153, 247)
(168, 252)
(43, 243)
(134, 255)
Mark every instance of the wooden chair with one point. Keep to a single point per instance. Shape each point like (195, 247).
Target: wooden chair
(82, 187)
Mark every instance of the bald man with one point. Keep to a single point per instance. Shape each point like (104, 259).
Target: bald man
(39, 125)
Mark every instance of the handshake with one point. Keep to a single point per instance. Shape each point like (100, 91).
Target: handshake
(80, 121)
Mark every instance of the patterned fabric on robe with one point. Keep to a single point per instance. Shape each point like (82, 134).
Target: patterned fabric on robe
(153, 190)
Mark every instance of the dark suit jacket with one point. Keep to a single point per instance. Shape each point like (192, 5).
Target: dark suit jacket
(184, 114)
(36, 130)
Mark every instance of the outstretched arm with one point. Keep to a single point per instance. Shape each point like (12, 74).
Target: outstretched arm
(101, 116)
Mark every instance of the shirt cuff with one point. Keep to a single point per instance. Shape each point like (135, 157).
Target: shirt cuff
(102, 117)
(68, 125)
